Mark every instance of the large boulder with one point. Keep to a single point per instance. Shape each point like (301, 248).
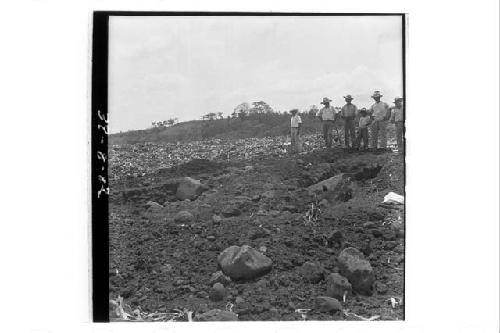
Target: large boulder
(357, 269)
(334, 188)
(189, 188)
(337, 286)
(243, 263)
(217, 315)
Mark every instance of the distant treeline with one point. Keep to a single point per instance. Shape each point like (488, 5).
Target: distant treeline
(239, 127)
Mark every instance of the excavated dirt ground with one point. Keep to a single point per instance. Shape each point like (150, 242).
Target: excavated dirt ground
(159, 265)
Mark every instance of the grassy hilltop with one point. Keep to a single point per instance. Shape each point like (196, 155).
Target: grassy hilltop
(251, 126)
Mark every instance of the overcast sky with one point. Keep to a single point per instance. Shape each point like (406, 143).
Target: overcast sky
(185, 67)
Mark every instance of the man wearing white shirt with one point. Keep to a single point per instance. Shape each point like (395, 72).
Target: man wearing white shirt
(397, 118)
(295, 124)
(327, 115)
(348, 113)
(380, 113)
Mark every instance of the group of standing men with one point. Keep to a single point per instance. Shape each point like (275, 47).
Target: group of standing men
(375, 119)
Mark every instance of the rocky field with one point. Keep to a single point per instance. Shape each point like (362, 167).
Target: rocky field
(244, 231)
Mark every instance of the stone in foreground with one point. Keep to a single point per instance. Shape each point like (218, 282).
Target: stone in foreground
(217, 315)
(220, 278)
(184, 217)
(337, 286)
(357, 269)
(218, 292)
(153, 205)
(327, 304)
(189, 188)
(312, 272)
(243, 263)
(333, 189)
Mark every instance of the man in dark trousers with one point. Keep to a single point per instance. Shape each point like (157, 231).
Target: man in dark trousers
(348, 113)
(364, 121)
(295, 123)
(327, 115)
(380, 113)
(397, 118)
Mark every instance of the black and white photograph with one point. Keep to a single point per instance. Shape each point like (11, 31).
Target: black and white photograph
(250, 166)
(256, 167)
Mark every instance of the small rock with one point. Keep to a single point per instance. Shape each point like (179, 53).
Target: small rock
(312, 272)
(261, 212)
(327, 304)
(184, 217)
(381, 288)
(357, 269)
(241, 263)
(189, 188)
(335, 238)
(217, 315)
(218, 293)
(369, 225)
(324, 203)
(377, 233)
(239, 300)
(219, 277)
(262, 283)
(211, 238)
(297, 261)
(266, 305)
(366, 249)
(390, 245)
(337, 286)
(153, 205)
(216, 219)
(290, 208)
(231, 211)
(260, 233)
(268, 194)
(256, 198)
(274, 213)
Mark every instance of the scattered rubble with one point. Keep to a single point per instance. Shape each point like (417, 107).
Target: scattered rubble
(255, 221)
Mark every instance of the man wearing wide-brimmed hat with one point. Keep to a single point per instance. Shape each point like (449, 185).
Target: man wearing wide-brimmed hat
(327, 115)
(348, 113)
(380, 113)
(397, 118)
(295, 123)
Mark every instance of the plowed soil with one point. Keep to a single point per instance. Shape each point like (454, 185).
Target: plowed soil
(159, 265)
